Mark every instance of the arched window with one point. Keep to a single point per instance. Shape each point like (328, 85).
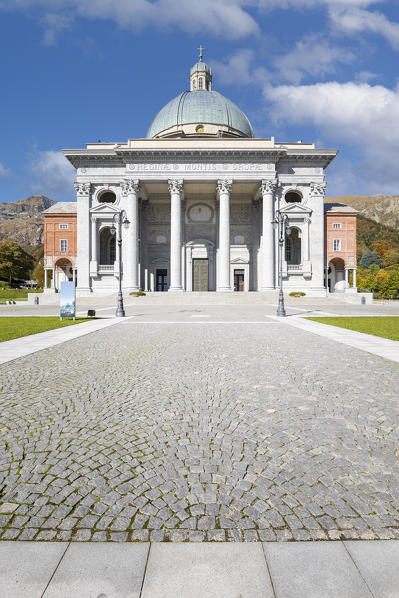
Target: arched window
(293, 247)
(194, 84)
(107, 197)
(293, 197)
(107, 247)
(200, 83)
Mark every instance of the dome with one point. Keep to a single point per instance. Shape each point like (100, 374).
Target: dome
(200, 66)
(201, 107)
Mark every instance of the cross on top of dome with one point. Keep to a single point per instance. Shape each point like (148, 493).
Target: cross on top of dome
(200, 74)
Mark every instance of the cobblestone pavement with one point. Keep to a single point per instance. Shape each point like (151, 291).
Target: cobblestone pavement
(240, 432)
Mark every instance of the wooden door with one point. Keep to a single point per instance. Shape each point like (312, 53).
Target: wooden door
(161, 283)
(239, 280)
(200, 275)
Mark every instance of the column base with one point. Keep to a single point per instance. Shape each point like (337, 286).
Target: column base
(175, 290)
(267, 289)
(224, 290)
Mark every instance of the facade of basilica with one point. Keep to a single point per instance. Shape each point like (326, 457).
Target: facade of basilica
(200, 195)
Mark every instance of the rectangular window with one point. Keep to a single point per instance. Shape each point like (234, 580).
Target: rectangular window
(337, 244)
(337, 225)
(63, 226)
(64, 245)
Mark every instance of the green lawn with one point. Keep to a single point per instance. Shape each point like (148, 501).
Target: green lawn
(385, 326)
(16, 294)
(24, 326)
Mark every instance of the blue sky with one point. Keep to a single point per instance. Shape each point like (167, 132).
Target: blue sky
(76, 71)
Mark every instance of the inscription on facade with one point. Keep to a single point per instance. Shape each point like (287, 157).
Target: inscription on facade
(201, 167)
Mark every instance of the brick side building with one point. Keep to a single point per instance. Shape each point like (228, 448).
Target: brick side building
(60, 243)
(340, 245)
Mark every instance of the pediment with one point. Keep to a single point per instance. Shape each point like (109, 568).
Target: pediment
(104, 208)
(296, 208)
(159, 260)
(239, 260)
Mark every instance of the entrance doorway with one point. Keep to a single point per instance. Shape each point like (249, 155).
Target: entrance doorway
(239, 280)
(200, 274)
(161, 279)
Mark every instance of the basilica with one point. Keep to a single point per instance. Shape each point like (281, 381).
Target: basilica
(200, 195)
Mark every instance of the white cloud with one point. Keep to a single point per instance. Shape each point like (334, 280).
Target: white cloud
(357, 20)
(224, 18)
(54, 23)
(361, 116)
(313, 56)
(4, 171)
(52, 174)
(236, 70)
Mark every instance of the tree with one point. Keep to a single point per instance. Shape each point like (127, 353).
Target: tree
(38, 274)
(14, 261)
(370, 257)
(390, 257)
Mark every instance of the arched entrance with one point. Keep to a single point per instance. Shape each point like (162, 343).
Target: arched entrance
(63, 271)
(336, 275)
(200, 266)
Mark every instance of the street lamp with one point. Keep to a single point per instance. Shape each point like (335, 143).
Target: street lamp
(119, 219)
(280, 223)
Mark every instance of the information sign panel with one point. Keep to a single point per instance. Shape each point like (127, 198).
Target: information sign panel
(68, 300)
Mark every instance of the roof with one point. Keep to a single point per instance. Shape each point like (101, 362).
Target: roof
(200, 107)
(339, 208)
(200, 66)
(62, 207)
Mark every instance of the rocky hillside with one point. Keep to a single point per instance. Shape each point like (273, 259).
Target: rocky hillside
(383, 209)
(22, 222)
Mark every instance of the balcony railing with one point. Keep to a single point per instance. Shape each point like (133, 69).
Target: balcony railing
(294, 267)
(106, 267)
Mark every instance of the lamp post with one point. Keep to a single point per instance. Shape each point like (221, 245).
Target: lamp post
(119, 219)
(281, 224)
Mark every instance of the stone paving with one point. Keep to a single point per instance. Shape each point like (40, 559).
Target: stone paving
(211, 432)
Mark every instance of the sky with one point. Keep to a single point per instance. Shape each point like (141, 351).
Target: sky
(79, 71)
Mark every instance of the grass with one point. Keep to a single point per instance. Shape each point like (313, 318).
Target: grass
(15, 327)
(385, 326)
(16, 294)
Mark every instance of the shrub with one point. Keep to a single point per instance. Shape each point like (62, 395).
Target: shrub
(138, 293)
(370, 257)
(297, 294)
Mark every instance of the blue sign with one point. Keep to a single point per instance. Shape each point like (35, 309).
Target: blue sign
(67, 300)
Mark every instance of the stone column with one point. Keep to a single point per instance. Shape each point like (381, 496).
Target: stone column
(267, 253)
(83, 223)
(130, 190)
(176, 191)
(347, 275)
(45, 278)
(52, 284)
(224, 189)
(93, 261)
(354, 278)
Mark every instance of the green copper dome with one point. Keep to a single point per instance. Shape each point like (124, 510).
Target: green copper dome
(201, 107)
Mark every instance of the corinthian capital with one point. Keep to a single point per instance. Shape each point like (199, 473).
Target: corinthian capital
(82, 189)
(129, 186)
(176, 186)
(268, 187)
(224, 186)
(317, 189)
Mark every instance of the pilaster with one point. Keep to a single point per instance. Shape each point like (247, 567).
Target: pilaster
(83, 237)
(224, 187)
(130, 189)
(176, 192)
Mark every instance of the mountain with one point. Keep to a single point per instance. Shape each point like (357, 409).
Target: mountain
(21, 221)
(383, 209)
